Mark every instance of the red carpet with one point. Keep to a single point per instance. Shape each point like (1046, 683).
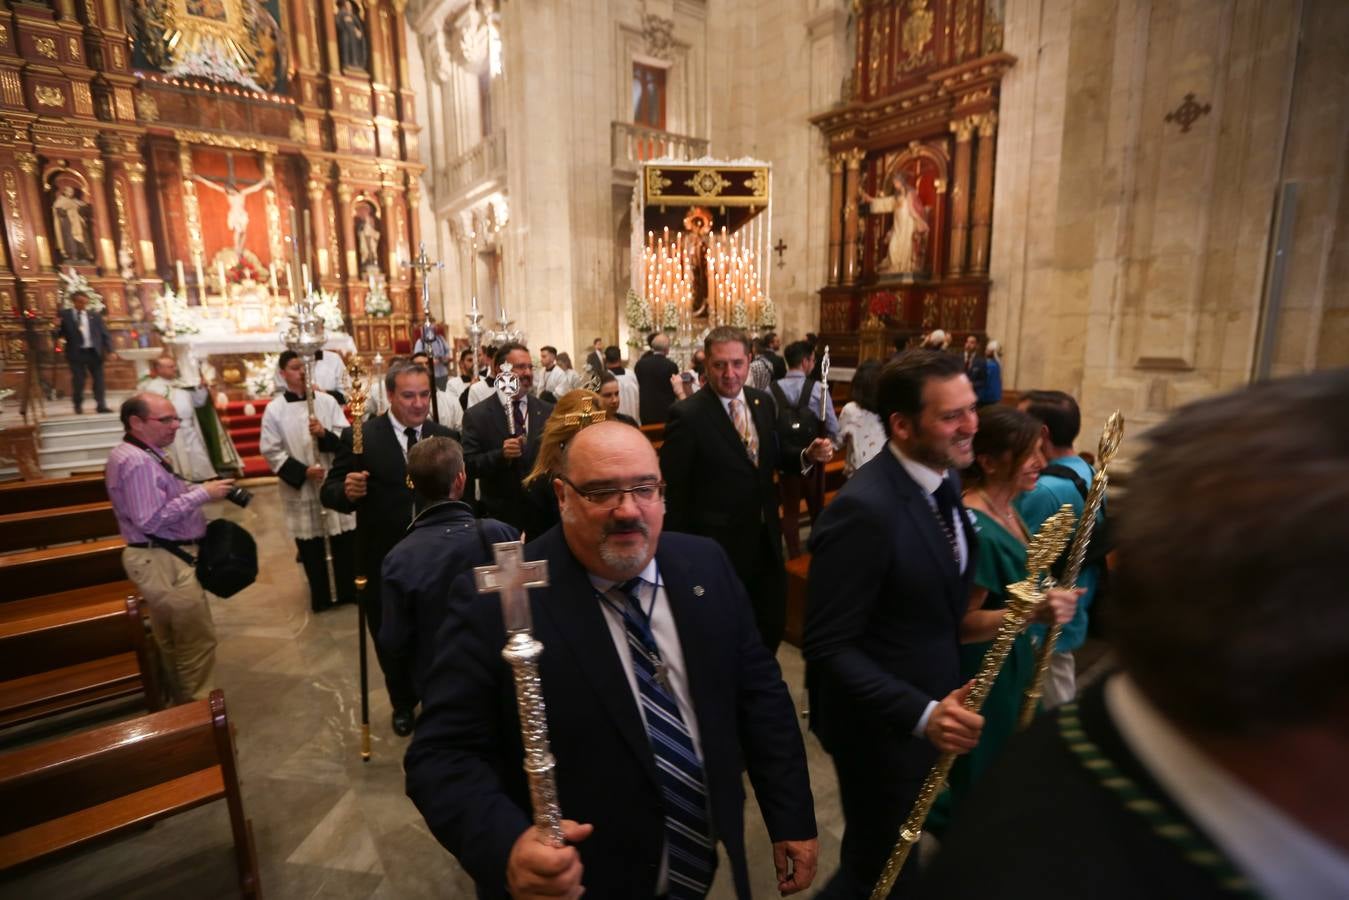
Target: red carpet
(245, 430)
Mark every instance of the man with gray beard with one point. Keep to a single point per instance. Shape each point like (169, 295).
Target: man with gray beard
(659, 692)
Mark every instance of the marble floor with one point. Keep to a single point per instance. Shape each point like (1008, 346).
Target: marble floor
(326, 824)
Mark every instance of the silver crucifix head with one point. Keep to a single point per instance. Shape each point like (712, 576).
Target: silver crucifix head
(512, 577)
(507, 382)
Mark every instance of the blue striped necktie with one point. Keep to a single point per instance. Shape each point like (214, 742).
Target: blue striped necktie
(689, 848)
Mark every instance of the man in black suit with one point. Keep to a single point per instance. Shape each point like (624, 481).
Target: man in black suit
(1213, 763)
(655, 393)
(718, 457)
(87, 345)
(595, 359)
(893, 556)
(659, 694)
(976, 366)
(501, 439)
(378, 493)
(772, 351)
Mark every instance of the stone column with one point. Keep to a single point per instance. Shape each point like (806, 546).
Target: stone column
(983, 195)
(835, 218)
(851, 183)
(960, 194)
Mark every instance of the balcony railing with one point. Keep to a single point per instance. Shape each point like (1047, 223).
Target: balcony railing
(486, 160)
(632, 145)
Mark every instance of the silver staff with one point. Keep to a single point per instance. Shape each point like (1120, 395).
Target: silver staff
(423, 265)
(508, 386)
(306, 337)
(824, 383)
(512, 577)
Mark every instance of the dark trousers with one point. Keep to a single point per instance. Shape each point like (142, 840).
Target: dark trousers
(85, 363)
(794, 487)
(316, 569)
(765, 581)
(875, 804)
(397, 669)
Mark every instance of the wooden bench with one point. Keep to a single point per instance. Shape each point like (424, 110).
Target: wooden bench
(72, 791)
(69, 650)
(48, 493)
(63, 524)
(32, 573)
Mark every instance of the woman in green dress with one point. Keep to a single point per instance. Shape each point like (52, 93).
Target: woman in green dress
(1007, 460)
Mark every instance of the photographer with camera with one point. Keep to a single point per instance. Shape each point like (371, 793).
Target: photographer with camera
(159, 512)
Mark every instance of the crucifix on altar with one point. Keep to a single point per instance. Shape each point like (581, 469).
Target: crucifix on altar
(421, 265)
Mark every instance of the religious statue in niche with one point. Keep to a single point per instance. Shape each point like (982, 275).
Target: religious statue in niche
(367, 239)
(73, 220)
(237, 218)
(697, 228)
(907, 242)
(351, 36)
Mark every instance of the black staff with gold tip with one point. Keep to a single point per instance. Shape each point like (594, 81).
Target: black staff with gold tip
(359, 393)
(1077, 555)
(1022, 598)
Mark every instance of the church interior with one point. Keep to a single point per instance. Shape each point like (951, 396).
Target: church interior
(1141, 203)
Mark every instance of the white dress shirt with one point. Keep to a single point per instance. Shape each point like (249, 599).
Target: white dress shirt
(86, 341)
(398, 430)
(523, 402)
(929, 480)
(1283, 858)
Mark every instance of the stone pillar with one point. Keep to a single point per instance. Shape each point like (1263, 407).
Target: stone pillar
(983, 195)
(835, 218)
(851, 184)
(960, 194)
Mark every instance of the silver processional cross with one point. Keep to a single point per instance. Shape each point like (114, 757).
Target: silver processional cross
(512, 577)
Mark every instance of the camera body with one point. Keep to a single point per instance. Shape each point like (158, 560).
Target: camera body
(240, 497)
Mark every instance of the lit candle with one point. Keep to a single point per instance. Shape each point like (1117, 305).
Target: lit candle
(304, 276)
(271, 278)
(182, 280)
(220, 272)
(201, 283)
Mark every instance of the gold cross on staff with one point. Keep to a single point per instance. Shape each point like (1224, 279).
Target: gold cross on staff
(512, 577)
(587, 416)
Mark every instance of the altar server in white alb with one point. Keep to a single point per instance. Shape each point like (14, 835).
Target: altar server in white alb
(288, 436)
(188, 451)
(330, 374)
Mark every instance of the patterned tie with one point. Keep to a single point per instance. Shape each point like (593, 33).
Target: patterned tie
(945, 495)
(745, 428)
(519, 407)
(689, 850)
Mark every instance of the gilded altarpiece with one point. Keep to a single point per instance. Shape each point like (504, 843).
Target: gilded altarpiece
(229, 136)
(911, 161)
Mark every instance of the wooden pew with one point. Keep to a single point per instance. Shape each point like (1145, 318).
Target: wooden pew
(73, 649)
(63, 524)
(32, 573)
(72, 791)
(47, 493)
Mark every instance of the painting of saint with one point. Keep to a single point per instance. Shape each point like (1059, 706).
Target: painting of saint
(72, 217)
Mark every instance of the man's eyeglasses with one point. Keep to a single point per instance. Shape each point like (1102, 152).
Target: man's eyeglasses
(165, 420)
(611, 498)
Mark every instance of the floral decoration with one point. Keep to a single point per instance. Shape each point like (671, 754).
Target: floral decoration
(173, 316)
(73, 283)
(329, 308)
(882, 304)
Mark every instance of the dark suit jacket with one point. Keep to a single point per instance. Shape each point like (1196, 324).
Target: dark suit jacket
(444, 542)
(464, 766)
(1045, 794)
(883, 610)
(386, 510)
(978, 370)
(98, 333)
(713, 488)
(655, 396)
(499, 479)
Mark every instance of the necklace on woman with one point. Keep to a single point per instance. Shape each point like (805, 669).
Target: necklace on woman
(1009, 517)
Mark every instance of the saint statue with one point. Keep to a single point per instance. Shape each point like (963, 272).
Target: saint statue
(351, 41)
(367, 241)
(69, 213)
(910, 222)
(237, 218)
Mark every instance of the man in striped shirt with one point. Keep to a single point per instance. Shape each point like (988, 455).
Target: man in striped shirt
(156, 509)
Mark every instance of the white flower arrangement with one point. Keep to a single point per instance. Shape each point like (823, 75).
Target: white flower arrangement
(638, 313)
(212, 62)
(739, 315)
(327, 305)
(671, 313)
(261, 377)
(768, 313)
(173, 316)
(73, 283)
(377, 303)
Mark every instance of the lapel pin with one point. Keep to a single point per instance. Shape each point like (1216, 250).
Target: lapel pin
(698, 590)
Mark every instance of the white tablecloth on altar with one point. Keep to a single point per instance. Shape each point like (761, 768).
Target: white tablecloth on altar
(191, 348)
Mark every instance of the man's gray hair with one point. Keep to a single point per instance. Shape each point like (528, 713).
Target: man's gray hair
(391, 377)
